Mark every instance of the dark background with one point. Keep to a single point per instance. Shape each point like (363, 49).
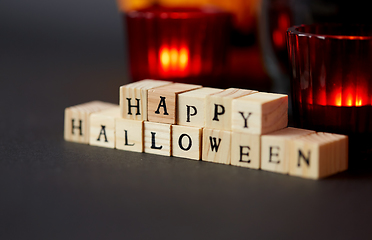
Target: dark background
(54, 54)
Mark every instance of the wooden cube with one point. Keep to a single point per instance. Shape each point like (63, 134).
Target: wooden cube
(275, 148)
(316, 155)
(186, 142)
(216, 146)
(260, 113)
(77, 122)
(157, 138)
(129, 134)
(102, 127)
(245, 150)
(191, 106)
(218, 108)
(162, 102)
(133, 98)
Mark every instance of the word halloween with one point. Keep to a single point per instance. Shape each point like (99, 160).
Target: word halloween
(233, 126)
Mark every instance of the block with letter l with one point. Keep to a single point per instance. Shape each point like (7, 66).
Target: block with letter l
(157, 138)
(129, 134)
(77, 120)
(133, 98)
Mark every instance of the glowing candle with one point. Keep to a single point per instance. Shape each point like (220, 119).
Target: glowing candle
(179, 44)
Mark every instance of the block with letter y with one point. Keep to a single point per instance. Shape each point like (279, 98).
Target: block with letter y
(216, 146)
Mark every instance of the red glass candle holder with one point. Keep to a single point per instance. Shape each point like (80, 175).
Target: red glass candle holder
(332, 78)
(182, 44)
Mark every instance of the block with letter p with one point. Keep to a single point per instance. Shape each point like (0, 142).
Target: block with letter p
(133, 98)
(260, 113)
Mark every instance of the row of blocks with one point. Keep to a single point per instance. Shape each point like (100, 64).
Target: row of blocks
(233, 126)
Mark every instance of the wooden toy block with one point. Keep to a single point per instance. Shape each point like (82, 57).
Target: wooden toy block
(102, 127)
(162, 102)
(260, 113)
(129, 134)
(245, 150)
(216, 146)
(314, 156)
(275, 148)
(218, 109)
(186, 142)
(133, 98)
(77, 122)
(157, 138)
(191, 106)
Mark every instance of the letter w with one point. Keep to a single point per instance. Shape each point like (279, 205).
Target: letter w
(214, 144)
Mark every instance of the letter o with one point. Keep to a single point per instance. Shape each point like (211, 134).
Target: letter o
(180, 142)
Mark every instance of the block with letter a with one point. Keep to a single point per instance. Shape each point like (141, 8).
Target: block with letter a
(77, 122)
(275, 148)
(129, 134)
(133, 98)
(157, 138)
(191, 106)
(218, 107)
(162, 102)
(216, 146)
(315, 156)
(260, 113)
(186, 142)
(102, 127)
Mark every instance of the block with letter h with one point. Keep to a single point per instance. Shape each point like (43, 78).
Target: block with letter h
(239, 127)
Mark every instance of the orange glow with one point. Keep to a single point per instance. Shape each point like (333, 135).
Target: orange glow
(338, 101)
(164, 58)
(174, 61)
(349, 100)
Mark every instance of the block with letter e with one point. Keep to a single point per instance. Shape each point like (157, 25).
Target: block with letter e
(129, 134)
(133, 98)
(218, 107)
(102, 127)
(317, 155)
(77, 120)
(275, 148)
(260, 113)
(245, 150)
(187, 142)
(216, 146)
(157, 138)
(162, 102)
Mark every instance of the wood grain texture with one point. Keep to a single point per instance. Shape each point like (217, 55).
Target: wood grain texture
(245, 150)
(129, 135)
(162, 102)
(218, 107)
(102, 127)
(260, 113)
(316, 155)
(157, 138)
(135, 94)
(187, 142)
(216, 146)
(77, 123)
(191, 106)
(275, 148)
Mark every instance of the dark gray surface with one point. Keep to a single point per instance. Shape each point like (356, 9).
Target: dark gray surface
(56, 54)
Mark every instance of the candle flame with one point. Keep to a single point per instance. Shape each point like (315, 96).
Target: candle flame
(338, 99)
(174, 60)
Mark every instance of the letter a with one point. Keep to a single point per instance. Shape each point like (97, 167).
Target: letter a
(103, 131)
(163, 105)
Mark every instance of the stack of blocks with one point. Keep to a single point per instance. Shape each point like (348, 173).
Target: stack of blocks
(233, 126)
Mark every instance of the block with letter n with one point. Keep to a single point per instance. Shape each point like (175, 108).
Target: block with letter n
(133, 98)
(317, 155)
(77, 120)
(216, 146)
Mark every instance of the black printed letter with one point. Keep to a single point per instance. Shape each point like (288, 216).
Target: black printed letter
(126, 139)
(214, 144)
(245, 119)
(188, 112)
(103, 131)
(216, 112)
(136, 106)
(273, 154)
(80, 127)
(247, 154)
(153, 145)
(301, 155)
(162, 104)
(180, 142)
